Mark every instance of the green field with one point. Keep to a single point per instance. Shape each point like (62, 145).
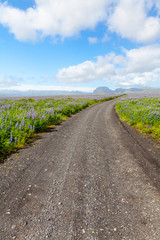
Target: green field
(141, 113)
(22, 119)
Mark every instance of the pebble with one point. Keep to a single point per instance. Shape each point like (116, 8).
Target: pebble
(8, 212)
(14, 226)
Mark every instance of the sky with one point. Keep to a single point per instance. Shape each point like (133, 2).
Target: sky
(79, 44)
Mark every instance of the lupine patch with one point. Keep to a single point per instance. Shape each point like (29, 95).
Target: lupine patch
(142, 113)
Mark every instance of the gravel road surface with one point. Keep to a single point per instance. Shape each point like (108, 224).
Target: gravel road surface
(90, 178)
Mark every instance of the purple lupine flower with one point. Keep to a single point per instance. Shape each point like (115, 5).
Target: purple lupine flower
(33, 116)
(29, 116)
(23, 123)
(17, 124)
(11, 138)
(9, 106)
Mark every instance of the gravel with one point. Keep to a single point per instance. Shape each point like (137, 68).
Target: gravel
(91, 177)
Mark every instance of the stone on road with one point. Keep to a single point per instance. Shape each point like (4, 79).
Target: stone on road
(91, 177)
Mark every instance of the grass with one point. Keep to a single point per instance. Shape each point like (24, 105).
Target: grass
(22, 119)
(141, 113)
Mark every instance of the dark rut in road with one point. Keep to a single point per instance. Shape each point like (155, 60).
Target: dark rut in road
(89, 178)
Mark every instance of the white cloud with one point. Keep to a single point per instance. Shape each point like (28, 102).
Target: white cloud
(136, 67)
(8, 81)
(87, 71)
(52, 18)
(144, 59)
(105, 38)
(130, 19)
(93, 40)
(136, 79)
(19, 22)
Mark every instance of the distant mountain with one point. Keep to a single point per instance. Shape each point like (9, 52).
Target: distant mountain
(106, 90)
(103, 90)
(31, 93)
(99, 90)
(119, 90)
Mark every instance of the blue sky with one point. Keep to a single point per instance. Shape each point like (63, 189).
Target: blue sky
(79, 45)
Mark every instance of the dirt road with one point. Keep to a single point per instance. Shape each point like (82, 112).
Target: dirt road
(89, 178)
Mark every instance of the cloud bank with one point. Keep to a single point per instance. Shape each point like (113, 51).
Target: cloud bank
(52, 18)
(131, 19)
(134, 67)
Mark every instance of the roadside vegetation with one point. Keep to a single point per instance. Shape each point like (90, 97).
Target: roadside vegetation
(22, 119)
(142, 113)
